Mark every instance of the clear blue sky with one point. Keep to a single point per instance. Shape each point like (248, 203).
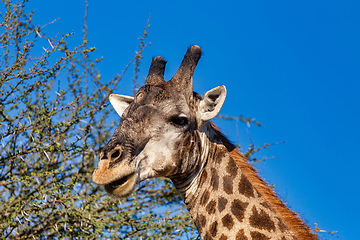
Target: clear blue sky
(292, 65)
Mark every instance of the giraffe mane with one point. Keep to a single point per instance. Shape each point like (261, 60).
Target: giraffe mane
(290, 218)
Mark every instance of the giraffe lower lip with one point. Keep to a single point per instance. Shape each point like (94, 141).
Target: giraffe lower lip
(119, 182)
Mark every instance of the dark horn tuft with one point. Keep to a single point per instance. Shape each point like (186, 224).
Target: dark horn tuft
(156, 71)
(195, 50)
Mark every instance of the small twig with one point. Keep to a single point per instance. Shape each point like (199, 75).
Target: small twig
(50, 22)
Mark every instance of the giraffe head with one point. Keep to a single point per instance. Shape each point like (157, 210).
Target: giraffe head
(156, 135)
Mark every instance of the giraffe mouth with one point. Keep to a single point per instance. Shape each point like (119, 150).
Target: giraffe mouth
(123, 186)
(114, 185)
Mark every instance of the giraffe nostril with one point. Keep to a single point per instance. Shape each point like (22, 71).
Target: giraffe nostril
(115, 154)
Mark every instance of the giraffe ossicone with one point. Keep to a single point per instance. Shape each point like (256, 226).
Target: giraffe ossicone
(165, 131)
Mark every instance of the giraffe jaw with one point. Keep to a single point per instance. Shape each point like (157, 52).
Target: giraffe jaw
(122, 187)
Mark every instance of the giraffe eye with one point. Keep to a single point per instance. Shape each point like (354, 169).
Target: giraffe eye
(179, 121)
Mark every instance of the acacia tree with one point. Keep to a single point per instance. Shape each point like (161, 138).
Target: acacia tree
(54, 120)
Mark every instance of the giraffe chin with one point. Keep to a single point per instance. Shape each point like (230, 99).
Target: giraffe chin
(122, 187)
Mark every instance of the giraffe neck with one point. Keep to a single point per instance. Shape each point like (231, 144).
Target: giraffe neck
(222, 201)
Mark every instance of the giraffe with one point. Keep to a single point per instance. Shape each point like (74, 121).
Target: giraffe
(165, 130)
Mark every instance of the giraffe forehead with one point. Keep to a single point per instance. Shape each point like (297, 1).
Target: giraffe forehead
(153, 94)
(159, 101)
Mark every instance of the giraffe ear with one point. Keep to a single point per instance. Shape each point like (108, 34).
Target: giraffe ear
(120, 102)
(211, 104)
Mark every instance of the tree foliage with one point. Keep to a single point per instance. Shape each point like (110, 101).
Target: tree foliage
(54, 120)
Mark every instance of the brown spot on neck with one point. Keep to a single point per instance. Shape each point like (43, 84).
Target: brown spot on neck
(204, 197)
(200, 223)
(214, 183)
(261, 220)
(228, 184)
(232, 168)
(214, 229)
(228, 221)
(238, 209)
(241, 235)
(222, 203)
(245, 187)
(211, 207)
(258, 236)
